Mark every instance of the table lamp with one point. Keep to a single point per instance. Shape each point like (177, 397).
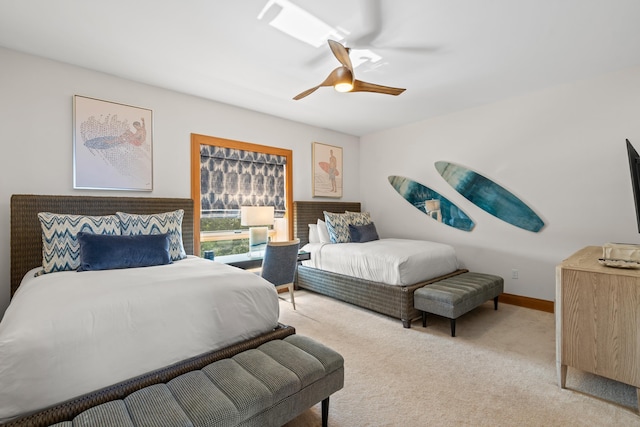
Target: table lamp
(257, 218)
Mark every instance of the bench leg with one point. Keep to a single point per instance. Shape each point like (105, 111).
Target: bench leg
(495, 303)
(406, 323)
(453, 327)
(424, 319)
(325, 412)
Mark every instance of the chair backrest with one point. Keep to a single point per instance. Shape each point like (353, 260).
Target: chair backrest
(280, 262)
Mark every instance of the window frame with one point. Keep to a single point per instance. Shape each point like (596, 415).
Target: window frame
(197, 140)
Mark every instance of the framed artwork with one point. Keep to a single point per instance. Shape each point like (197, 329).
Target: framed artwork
(112, 146)
(327, 170)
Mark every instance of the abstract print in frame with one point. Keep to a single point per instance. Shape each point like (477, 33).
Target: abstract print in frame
(112, 146)
(327, 170)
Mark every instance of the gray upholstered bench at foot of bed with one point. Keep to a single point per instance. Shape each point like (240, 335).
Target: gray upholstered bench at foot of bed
(266, 386)
(457, 295)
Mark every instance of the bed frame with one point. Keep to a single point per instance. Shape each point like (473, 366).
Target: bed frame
(26, 253)
(394, 301)
(26, 233)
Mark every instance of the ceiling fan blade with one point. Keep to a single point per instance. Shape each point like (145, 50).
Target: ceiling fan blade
(341, 53)
(360, 86)
(372, 19)
(331, 79)
(305, 93)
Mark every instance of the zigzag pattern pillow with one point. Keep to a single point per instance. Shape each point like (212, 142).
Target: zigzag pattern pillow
(359, 218)
(337, 226)
(161, 223)
(60, 247)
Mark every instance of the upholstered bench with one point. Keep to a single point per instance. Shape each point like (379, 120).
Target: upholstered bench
(265, 386)
(457, 295)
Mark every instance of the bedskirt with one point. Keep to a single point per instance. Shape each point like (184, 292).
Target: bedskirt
(392, 300)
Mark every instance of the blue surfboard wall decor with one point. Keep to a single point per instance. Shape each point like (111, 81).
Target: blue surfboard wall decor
(489, 196)
(431, 203)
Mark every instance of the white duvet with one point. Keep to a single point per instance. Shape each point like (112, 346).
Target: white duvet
(389, 261)
(69, 333)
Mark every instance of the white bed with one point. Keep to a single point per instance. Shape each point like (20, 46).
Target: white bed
(389, 261)
(69, 333)
(377, 274)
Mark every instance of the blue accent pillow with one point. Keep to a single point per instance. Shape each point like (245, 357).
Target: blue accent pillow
(363, 233)
(107, 252)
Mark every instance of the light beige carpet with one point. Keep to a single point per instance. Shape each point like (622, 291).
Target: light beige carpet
(499, 370)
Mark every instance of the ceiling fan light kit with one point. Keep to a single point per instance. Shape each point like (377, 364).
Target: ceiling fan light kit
(343, 87)
(342, 78)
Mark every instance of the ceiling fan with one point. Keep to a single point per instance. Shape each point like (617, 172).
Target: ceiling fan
(343, 80)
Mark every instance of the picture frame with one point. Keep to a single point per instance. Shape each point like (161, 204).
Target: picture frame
(327, 179)
(112, 145)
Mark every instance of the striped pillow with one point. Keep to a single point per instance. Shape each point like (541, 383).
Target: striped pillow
(359, 218)
(337, 226)
(160, 223)
(60, 247)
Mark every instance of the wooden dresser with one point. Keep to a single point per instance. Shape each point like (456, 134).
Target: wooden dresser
(597, 318)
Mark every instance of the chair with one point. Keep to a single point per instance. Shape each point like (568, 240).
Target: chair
(279, 265)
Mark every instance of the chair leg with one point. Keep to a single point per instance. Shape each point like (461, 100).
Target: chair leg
(453, 327)
(293, 300)
(495, 303)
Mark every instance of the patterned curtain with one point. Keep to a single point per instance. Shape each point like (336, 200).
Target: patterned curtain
(231, 178)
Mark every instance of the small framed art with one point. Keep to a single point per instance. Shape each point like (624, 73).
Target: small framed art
(327, 170)
(112, 146)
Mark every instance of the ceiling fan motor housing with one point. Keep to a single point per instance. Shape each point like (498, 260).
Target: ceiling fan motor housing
(344, 80)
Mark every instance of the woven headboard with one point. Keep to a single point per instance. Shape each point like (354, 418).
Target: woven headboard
(26, 234)
(305, 213)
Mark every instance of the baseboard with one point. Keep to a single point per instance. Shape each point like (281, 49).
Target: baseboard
(533, 303)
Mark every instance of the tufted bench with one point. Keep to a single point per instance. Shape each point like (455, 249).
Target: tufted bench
(265, 386)
(457, 295)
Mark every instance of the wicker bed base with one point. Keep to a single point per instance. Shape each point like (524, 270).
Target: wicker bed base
(394, 301)
(66, 411)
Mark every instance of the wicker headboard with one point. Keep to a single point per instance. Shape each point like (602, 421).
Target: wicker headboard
(305, 213)
(26, 234)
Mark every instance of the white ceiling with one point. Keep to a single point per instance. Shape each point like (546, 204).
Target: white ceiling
(448, 54)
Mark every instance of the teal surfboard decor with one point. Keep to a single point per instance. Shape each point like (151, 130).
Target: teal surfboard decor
(489, 196)
(431, 202)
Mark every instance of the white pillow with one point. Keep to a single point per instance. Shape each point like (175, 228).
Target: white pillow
(313, 233)
(323, 233)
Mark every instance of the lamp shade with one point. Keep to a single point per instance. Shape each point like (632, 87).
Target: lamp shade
(256, 215)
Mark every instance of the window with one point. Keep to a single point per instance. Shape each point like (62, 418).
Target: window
(227, 174)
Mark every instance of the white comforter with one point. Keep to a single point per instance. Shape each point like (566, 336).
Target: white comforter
(69, 333)
(390, 261)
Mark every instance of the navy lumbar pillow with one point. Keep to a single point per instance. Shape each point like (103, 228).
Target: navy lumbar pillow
(363, 233)
(106, 252)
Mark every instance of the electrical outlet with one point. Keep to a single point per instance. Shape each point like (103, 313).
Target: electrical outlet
(514, 274)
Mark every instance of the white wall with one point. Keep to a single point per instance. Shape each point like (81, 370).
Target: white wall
(561, 150)
(36, 136)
